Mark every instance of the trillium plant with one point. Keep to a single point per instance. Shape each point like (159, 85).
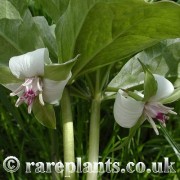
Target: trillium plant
(37, 82)
(128, 110)
(30, 68)
(57, 58)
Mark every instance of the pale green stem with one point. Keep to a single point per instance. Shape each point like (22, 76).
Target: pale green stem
(68, 132)
(94, 131)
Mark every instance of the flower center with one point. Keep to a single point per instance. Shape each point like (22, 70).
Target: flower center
(28, 91)
(155, 110)
(162, 117)
(158, 111)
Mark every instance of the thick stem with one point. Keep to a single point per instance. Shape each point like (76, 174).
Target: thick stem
(94, 131)
(68, 132)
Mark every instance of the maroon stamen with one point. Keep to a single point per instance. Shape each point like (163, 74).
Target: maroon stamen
(30, 89)
(160, 116)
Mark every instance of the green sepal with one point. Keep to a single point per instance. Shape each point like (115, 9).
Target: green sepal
(133, 95)
(150, 84)
(59, 72)
(6, 77)
(44, 114)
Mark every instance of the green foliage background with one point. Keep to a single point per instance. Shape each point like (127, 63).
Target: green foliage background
(22, 136)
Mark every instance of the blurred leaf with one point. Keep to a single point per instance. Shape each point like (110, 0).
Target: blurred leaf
(45, 114)
(46, 35)
(162, 59)
(132, 132)
(52, 29)
(18, 37)
(54, 8)
(111, 32)
(21, 6)
(58, 72)
(8, 11)
(6, 76)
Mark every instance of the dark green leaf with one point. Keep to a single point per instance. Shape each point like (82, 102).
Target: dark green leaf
(45, 114)
(54, 8)
(112, 32)
(21, 6)
(58, 72)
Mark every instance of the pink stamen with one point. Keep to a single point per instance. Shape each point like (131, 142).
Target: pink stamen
(155, 110)
(31, 88)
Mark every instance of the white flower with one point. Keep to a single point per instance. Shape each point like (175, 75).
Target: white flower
(29, 68)
(127, 110)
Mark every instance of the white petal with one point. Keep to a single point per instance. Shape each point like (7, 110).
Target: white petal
(127, 111)
(30, 64)
(53, 90)
(165, 88)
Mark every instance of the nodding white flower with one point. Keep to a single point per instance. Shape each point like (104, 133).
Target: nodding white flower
(29, 68)
(127, 110)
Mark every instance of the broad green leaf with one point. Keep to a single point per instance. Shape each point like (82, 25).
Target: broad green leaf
(69, 26)
(18, 37)
(45, 114)
(46, 35)
(58, 72)
(150, 84)
(6, 77)
(54, 8)
(163, 59)
(8, 11)
(104, 33)
(20, 5)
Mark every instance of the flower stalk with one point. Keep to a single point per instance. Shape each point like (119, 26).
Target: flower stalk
(94, 131)
(68, 131)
